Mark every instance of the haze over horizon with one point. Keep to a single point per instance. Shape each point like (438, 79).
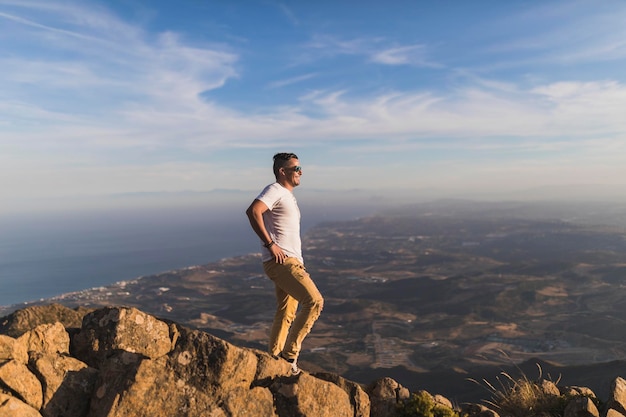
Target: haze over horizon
(112, 98)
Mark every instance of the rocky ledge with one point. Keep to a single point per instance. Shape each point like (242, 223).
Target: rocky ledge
(122, 362)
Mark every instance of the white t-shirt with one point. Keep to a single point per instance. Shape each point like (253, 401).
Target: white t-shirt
(282, 220)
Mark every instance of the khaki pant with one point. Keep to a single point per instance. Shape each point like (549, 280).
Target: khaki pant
(293, 286)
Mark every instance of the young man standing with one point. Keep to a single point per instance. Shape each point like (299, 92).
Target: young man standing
(275, 217)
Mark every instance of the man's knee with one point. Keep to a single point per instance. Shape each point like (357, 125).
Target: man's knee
(317, 304)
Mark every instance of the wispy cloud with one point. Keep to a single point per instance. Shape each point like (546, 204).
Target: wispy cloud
(377, 50)
(83, 88)
(564, 33)
(110, 72)
(290, 81)
(415, 55)
(289, 13)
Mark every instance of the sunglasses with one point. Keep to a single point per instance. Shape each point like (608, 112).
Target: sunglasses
(297, 168)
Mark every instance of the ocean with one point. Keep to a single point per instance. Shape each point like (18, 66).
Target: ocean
(45, 255)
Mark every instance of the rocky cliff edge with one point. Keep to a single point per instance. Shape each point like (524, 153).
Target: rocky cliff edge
(122, 362)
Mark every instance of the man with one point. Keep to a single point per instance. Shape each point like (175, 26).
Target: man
(275, 217)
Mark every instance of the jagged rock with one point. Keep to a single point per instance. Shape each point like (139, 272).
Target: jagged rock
(581, 407)
(129, 364)
(617, 399)
(357, 395)
(385, 394)
(573, 391)
(478, 410)
(19, 379)
(204, 375)
(441, 400)
(12, 407)
(306, 395)
(68, 384)
(250, 402)
(211, 362)
(268, 369)
(11, 350)
(46, 338)
(21, 321)
(131, 385)
(109, 329)
(548, 387)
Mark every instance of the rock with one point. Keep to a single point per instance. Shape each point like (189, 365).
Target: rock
(269, 368)
(617, 396)
(360, 400)
(478, 410)
(11, 350)
(306, 395)
(46, 338)
(110, 329)
(548, 387)
(12, 407)
(581, 407)
(384, 396)
(68, 384)
(18, 378)
(21, 321)
(126, 363)
(441, 400)
(146, 387)
(213, 362)
(574, 391)
(250, 402)
(203, 375)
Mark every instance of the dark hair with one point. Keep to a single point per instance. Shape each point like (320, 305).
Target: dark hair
(280, 160)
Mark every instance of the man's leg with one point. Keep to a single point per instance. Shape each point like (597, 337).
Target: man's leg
(286, 307)
(293, 279)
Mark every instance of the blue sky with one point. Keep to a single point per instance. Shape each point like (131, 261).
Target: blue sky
(110, 97)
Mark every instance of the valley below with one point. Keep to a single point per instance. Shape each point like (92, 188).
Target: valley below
(432, 295)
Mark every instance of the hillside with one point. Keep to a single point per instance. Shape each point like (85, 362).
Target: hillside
(431, 293)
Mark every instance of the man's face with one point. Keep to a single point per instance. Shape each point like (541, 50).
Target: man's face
(293, 171)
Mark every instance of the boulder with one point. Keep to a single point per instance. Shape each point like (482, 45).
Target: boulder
(111, 329)
(385, 394)
(46, 338)
(581, 407)
(67, 384)
(19, 379)
(305, 395)
(478, 410)
(21, 321)
(573, 391)
(548, 387)
(617, 396)
(360, 400)
(130, 385)
(12, 407)
(10, 349)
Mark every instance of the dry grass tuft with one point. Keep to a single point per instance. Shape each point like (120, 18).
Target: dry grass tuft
(523, 397)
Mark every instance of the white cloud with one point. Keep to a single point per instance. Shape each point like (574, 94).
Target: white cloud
(102, 89)
(293, 80)
(415, 55)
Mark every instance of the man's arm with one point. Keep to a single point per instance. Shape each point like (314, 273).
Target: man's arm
(255, 216)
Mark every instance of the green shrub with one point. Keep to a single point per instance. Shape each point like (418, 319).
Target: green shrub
(421, 404)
